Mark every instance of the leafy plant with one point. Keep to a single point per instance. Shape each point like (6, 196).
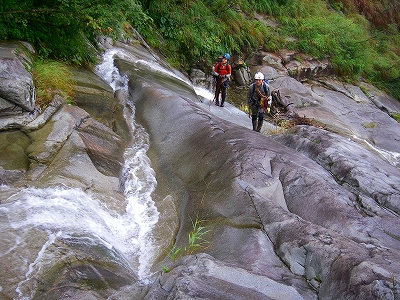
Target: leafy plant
(67, 30)
(196, 241)
(166, 269)
(174, 252)
(206, 29)
(51, 78)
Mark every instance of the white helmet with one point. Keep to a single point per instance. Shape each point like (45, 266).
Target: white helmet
(259, 75)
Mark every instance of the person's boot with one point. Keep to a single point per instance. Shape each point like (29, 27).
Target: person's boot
(260, 123)
(216, 98)
(254, 125)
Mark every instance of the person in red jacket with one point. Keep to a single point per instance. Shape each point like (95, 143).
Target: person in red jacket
(222, 71)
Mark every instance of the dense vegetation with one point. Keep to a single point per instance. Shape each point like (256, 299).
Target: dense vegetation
(361, 38)
(67, 29)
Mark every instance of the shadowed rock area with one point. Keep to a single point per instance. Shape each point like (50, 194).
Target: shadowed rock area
(305, 214)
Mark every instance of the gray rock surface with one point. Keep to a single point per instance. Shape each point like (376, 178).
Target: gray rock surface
(307, 214)
(291, 198)
(16, 83)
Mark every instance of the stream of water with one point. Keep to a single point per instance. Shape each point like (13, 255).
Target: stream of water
(139, 178)
(62, 213)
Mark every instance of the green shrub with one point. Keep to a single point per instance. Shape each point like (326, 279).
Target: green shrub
(193, 32)
(67, 30)
(393, 86)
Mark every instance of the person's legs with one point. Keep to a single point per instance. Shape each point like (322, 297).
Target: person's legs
(216, 97)
(260, 121)
(254, 113)
(254, 122)
(224, 86)
(217, 91)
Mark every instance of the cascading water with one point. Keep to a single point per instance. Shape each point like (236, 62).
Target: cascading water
(62, 213)
(139, 179)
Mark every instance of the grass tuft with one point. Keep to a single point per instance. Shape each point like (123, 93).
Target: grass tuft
(396, 116)
(196, 237)
(51, 78)
(196, 242)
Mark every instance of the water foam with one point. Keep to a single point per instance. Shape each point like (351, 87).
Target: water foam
(63, 212)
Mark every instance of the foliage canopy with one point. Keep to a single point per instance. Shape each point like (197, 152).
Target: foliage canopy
(67, 29)
(194, 32)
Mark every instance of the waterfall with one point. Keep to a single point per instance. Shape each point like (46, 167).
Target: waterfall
(63, 213)
(110, 73)
(139, 178)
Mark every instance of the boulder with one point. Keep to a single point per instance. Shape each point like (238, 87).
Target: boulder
(201, 79)
(208, 278)
(292, 63)
(242, 76)
(16, 82)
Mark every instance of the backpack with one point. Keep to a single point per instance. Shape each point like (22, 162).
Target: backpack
(264, 84)
(261, 103)
(219, 60)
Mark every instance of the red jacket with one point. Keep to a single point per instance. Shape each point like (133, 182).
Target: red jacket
(222, 69)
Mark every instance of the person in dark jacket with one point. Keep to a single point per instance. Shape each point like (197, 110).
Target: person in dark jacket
(222, 72)
(258, 100)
